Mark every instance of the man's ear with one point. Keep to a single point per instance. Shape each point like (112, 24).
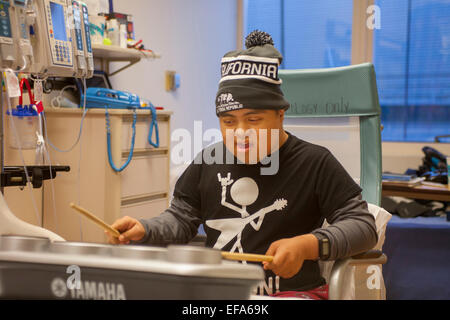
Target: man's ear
(281, 114)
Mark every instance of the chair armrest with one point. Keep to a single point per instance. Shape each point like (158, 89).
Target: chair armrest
(340, 267)
(368, 257)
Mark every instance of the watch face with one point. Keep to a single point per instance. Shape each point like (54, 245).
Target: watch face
(325, 246)
(326, 250)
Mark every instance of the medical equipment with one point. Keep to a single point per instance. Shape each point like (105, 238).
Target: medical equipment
(21, 32)
(7, 48)
(35, 38)
(81, 40)
(15, 47)
(114, 99)
(77, 39)
(22, 175)
(45, 38)
(23, 132)
(51, 39)
(26, 120)
(61, 101)
(15, 176)
(87, 41)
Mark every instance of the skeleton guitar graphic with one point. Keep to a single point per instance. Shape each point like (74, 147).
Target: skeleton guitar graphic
(243, 192)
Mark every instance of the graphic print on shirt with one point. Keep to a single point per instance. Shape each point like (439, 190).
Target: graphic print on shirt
(244, 192)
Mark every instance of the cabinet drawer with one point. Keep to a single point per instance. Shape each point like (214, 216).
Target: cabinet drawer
(145, 210)
(145, 175)
(142, 128)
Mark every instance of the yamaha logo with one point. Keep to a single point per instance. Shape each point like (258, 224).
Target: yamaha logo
(85, 289)
(88, 290)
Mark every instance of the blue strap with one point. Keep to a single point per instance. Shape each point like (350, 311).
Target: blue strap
(108, 141)
(153, 124)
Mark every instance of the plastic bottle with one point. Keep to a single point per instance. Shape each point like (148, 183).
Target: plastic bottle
(22, 133)
(123, 36)
(112, 27)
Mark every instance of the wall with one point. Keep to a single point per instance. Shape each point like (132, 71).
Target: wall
(399, 156)
(192, 37)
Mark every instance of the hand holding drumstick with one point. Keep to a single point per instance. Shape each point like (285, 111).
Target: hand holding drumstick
(130, 230)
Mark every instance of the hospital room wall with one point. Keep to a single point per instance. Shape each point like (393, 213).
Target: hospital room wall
(399, 156)
(192, 37)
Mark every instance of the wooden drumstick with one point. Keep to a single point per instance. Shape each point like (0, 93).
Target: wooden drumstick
(246, 256)
(96, 220)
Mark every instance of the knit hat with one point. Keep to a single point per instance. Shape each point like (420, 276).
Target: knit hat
(250, 77)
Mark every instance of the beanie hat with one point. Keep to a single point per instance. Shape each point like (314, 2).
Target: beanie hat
(249, 78)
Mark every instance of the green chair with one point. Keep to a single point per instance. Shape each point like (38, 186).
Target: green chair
(339, 109)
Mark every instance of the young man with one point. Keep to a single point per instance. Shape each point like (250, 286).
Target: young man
(253, 205)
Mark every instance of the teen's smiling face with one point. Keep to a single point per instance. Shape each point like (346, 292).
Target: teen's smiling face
(252, 134)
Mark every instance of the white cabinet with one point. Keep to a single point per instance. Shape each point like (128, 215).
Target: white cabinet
(141, 190)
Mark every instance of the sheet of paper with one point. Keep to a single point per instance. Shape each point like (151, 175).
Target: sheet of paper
(12, 84)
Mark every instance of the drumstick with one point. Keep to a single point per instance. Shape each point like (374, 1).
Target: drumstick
(96, 220)
(225, 255)
(246, 256)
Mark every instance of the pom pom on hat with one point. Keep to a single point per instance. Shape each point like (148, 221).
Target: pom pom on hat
(258, 38)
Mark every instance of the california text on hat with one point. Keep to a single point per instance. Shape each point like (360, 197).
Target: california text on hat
(249, 78)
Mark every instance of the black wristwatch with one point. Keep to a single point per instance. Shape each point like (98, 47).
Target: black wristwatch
(324, 246)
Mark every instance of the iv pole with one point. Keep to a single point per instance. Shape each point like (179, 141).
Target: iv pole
(16, 175)
(9, 223)
(2, 154)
